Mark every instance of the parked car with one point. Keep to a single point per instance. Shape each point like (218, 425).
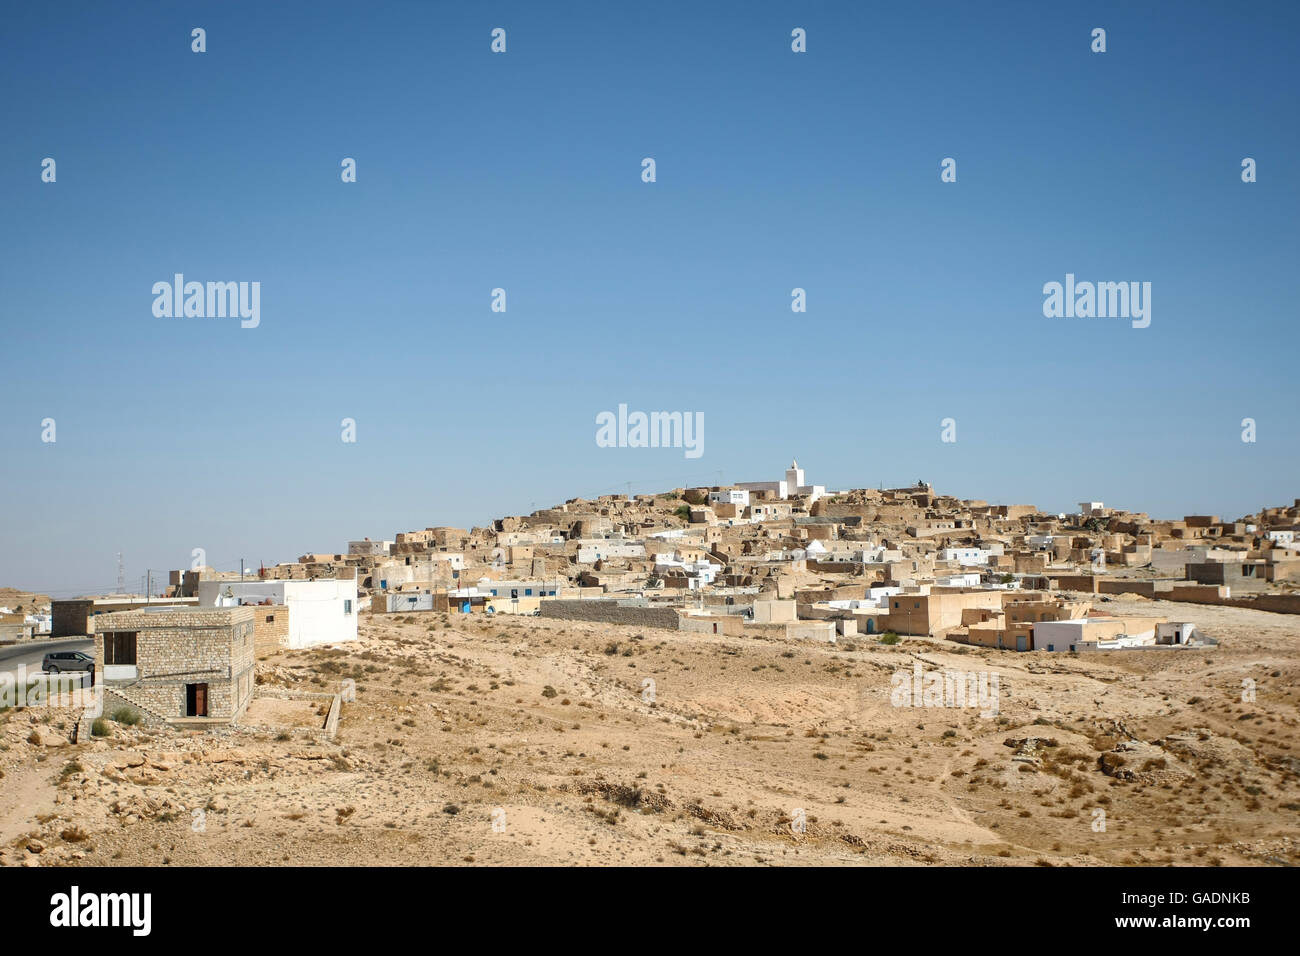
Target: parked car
(57, 662)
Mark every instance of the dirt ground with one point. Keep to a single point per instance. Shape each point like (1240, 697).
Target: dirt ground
(27, 600)
(529, 741)
(270, 713)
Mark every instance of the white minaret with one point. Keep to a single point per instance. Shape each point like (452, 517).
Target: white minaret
(794, 477)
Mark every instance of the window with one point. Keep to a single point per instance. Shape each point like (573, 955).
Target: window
(270, 618)
(528, 591)
(347, 606)
(119, 647)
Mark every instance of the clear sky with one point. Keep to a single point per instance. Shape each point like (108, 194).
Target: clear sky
(522, 171)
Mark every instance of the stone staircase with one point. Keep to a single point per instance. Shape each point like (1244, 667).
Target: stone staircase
(151, 715)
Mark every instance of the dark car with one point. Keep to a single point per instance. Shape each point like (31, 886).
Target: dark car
(57, 662)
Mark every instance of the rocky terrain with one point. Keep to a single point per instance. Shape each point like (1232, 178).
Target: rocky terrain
(496, 740)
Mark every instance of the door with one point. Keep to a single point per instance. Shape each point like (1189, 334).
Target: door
(1020, 643)
(196, 700)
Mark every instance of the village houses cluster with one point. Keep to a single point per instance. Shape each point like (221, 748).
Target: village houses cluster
(783, 558)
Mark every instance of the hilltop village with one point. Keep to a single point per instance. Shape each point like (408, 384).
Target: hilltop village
(788, 556)
(781, 559)
(714, 675)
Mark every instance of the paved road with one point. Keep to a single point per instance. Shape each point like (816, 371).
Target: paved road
(31, 653)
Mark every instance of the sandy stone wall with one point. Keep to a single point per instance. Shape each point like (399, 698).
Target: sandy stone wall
(270, 627)
(609, 612)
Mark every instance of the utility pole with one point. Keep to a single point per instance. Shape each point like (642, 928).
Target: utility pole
(148, 588)
(241, 570)
(121, 575)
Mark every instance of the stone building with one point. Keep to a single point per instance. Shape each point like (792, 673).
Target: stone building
(1238, 575)
(176, 664)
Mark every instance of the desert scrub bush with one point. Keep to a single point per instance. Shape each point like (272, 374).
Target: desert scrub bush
(126, 716)
(101, 728)
(890, 638)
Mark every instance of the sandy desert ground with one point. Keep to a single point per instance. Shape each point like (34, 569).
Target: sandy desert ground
(527, 741)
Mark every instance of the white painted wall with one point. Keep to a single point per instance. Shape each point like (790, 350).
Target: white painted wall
(729, 496)
(591, 553)
(1060, 634)
(320, 612)
(966, 557)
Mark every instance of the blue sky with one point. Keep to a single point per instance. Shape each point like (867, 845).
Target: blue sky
(775, 170)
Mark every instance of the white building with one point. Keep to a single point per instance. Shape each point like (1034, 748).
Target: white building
(970, 579)
(780, 488)
(795, 483)
(966, 557)
(320, 612)
(699, 573)
(523, 589)
(792, 485)
(729, 496)
(1091, 633)
(593, 551)
(1177, 632)
(1089, 508)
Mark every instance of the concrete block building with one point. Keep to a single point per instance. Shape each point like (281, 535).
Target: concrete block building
(1238, 575)
(177, 664)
